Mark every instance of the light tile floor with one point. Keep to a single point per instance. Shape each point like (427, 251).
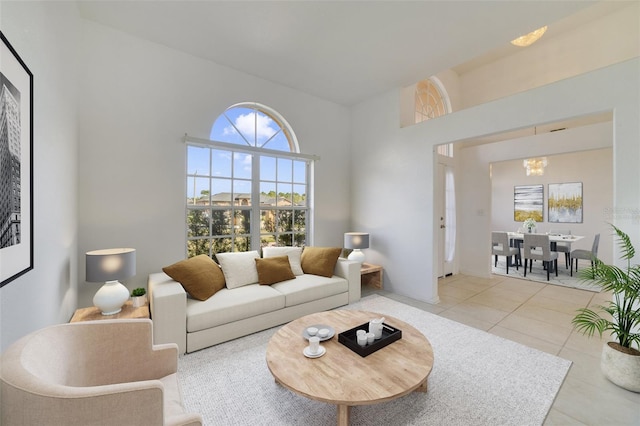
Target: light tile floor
(539, 315)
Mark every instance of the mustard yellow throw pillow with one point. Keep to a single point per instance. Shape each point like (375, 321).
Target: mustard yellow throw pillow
(200, 276)
(320, 260)
(274, 269)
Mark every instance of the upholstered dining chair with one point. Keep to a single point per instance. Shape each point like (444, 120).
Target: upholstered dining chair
(104, 372)
(500, 247)
(590, 255)
(562, 247)
(538, 247)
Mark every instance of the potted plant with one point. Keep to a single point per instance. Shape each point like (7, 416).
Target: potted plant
(620, 360)
(530, 223)
(138, 297)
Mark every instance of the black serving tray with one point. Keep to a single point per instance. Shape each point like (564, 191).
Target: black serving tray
(389, 335)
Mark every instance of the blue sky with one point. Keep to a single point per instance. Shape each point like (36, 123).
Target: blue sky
(243, 126)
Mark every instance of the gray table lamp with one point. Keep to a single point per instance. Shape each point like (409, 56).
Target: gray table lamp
(109, 266)
(356, 241)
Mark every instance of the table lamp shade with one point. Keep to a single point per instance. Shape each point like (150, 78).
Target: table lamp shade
(356, 241)
(109, 266)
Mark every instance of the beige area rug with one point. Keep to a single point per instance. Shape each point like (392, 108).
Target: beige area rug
(477, 379)
(538, 274)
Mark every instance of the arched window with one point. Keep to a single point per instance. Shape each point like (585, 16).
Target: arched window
(429, 101)
(254, 125)
(248, 186)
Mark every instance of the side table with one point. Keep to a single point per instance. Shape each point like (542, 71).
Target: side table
(371, 275)
(128, 311)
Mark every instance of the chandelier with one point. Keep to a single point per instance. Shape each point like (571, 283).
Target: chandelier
(535, 166)
(529, 39)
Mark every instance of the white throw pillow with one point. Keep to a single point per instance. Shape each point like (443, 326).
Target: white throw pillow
(293, 253)
(239, 268)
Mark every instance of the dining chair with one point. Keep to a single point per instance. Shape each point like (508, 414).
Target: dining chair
(500, 247)
(586, 254)
(538, 247)
(562, 247)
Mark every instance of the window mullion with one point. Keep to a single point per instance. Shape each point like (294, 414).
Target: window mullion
(255, 201)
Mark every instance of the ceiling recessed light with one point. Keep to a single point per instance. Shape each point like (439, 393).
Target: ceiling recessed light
(529, 39)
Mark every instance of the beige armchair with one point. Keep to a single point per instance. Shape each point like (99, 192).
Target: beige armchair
(104, 372)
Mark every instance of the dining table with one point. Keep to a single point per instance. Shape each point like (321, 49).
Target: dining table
(517, 238)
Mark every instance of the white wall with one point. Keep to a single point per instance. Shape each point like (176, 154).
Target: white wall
(594, 169)
(393, 184)
(392, 196)
(137, 100)
(45, 35)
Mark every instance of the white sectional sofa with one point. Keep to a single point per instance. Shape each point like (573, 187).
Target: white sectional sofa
(237, 311)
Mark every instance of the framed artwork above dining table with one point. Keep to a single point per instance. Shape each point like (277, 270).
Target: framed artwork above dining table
(565, 202)
(528, 202)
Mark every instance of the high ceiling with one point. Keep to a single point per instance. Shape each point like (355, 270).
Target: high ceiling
(342, 51)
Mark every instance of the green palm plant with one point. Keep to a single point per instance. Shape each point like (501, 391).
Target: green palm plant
(623, 318)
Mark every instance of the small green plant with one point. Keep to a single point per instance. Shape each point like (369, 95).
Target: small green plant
(138, 292)
(623, 314)
(529, 224)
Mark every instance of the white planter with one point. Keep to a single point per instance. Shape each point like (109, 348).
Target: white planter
(621, 368)
(139, 301)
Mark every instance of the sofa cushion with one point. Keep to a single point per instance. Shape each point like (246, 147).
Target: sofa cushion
(239, 268)
(273, 270)
(232, 305)
(320, 260)
(293, 253)
(306, 288)
(200, 276)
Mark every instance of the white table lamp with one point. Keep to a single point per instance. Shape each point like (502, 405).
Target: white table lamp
(356, 241)
(109, 266)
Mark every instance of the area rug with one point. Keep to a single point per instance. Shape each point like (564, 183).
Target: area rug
(538, 274)
(477, 379)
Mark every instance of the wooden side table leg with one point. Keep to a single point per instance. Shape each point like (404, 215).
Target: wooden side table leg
(372, 278)
(344, 412)
(422, 387)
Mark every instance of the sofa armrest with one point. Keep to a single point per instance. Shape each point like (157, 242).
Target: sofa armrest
(350, 270)
(168, 305)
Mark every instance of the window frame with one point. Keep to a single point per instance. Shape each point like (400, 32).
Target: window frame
(432, 95)
(255, 234)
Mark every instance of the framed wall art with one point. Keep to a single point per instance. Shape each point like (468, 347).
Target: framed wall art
(16, 165)
(565, 202)
(528, 202)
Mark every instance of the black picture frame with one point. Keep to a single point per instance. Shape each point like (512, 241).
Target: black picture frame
(16, 157)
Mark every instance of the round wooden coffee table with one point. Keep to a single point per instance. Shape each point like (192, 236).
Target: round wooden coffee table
(343, 377)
